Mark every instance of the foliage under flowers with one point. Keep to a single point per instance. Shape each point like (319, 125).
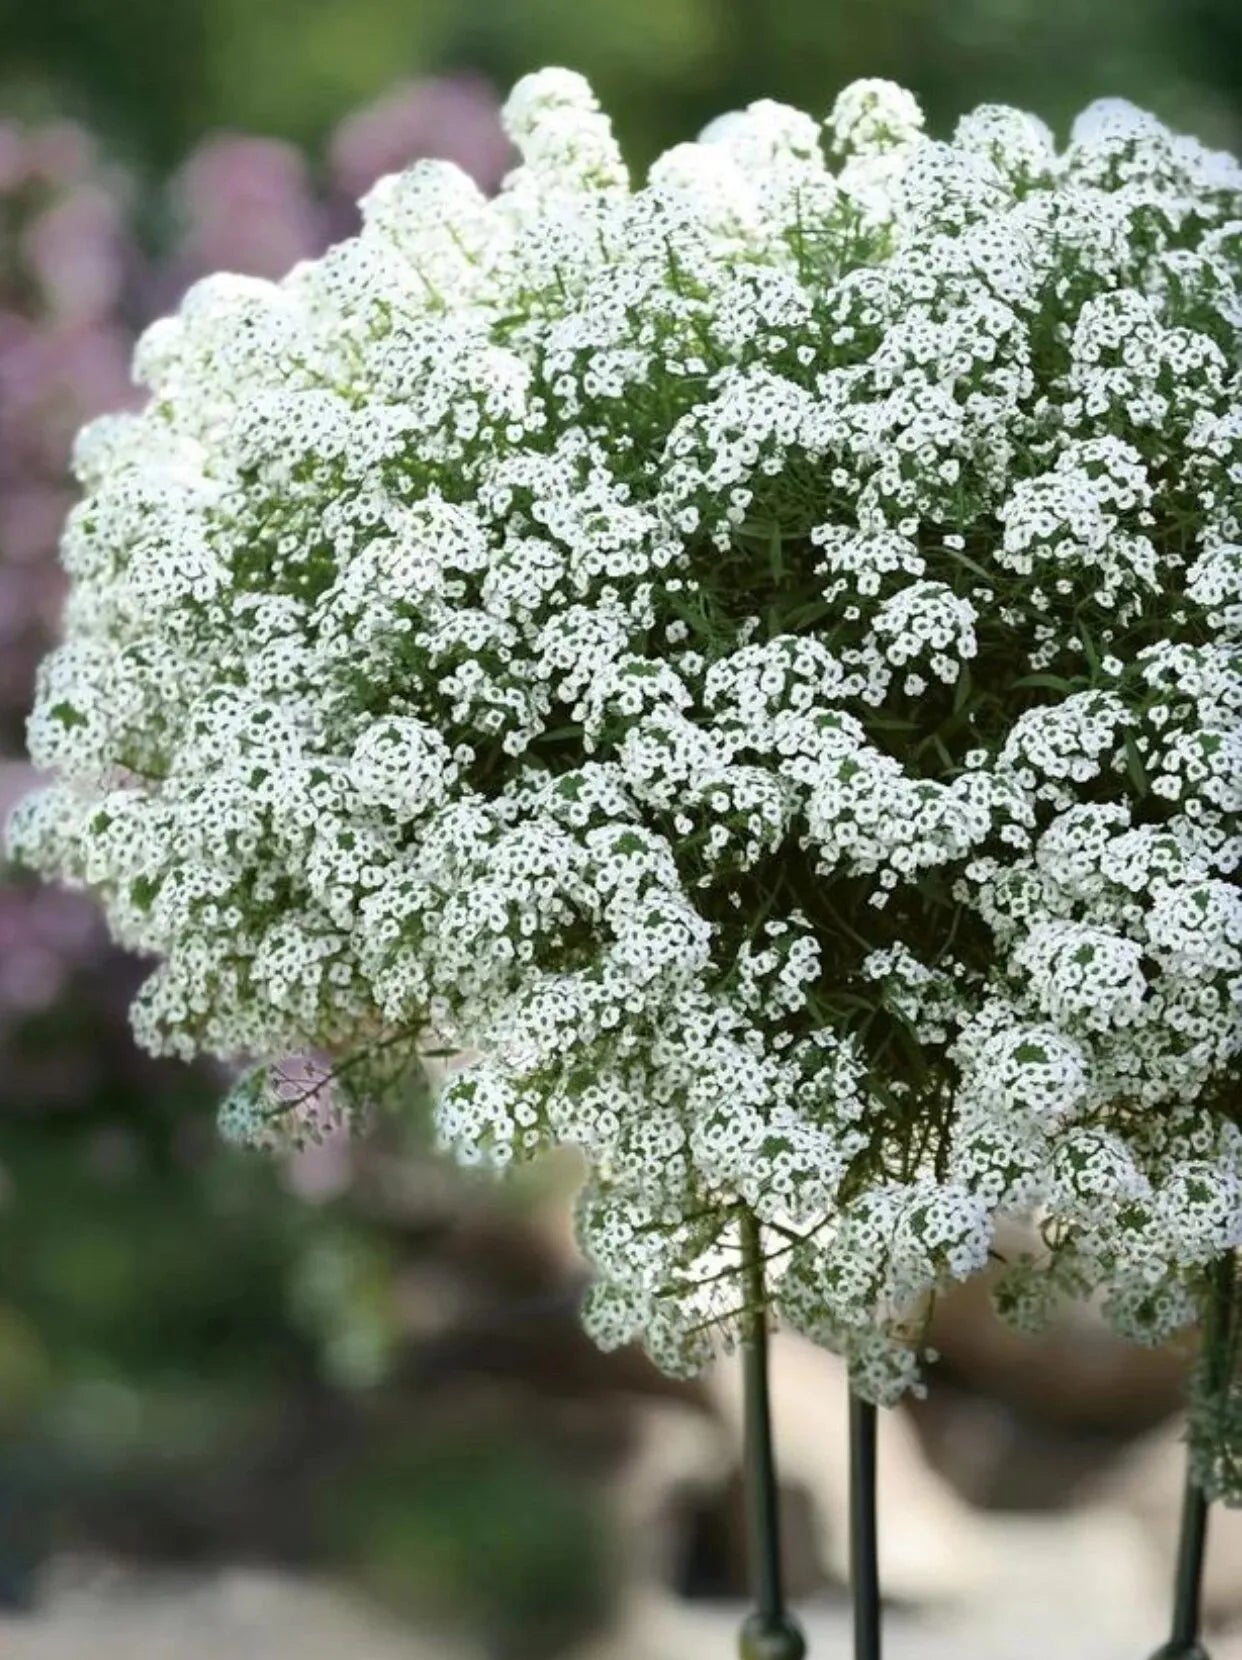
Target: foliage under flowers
(753, 660)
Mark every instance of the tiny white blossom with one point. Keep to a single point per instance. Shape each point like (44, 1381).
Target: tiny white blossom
(749, 661)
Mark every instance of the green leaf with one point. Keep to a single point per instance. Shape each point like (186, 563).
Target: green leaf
(963, 559)
(1135, 767)
(963, 689)
(1047, 682)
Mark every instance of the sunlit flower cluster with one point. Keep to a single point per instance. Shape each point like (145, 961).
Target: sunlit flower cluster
(749, 663)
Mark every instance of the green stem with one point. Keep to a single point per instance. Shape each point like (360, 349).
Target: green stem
(1184, 1643)
(770, 1633)
(864, 1547)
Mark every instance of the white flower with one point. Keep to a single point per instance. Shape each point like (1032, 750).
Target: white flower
(874, 115)
(748, 660)
(403, 765)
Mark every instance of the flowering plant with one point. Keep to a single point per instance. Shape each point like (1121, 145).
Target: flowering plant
(749, 661)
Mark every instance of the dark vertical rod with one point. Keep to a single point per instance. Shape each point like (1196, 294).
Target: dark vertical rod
(769, 1633)
(765, 1543)
(1191, 1549)
(864, 1545)
(1218, 1358)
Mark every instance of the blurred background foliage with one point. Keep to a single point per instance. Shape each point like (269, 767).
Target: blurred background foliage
(347, 1359)
(155, 74)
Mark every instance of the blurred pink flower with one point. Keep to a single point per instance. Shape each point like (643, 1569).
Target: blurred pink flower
(246, 205)
(17, 779)
(54, 376)
(60, 153)
(455, 117)
(45, 937)
(31, 514)
(75, 251)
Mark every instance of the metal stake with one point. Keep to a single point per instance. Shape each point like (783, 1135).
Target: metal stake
(864, 1549)
(1183, 1643)
(770, 1632)
(1184, 1639)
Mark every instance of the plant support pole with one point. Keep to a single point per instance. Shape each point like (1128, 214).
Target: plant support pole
(1184, 1642)
(770, 1633)
(864, 1547)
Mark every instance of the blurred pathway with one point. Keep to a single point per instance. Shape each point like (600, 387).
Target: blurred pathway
(112, 1613)
(1081, 1586)
(1069, 1587)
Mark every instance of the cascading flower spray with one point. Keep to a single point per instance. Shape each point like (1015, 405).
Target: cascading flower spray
(753, 660)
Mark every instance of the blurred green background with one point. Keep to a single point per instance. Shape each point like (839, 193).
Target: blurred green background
(156, 74)
(356, 1360)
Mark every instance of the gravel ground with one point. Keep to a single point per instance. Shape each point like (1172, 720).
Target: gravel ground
(99, 1612)
(1082, 1586)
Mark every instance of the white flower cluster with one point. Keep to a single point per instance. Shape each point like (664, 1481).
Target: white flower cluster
(754, 661)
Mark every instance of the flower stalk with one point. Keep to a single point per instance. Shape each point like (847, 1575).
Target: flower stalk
(864, 1548)
(1184, 1639)
(770, 1633)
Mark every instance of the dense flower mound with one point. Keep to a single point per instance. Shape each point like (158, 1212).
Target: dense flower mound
(750, 663)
